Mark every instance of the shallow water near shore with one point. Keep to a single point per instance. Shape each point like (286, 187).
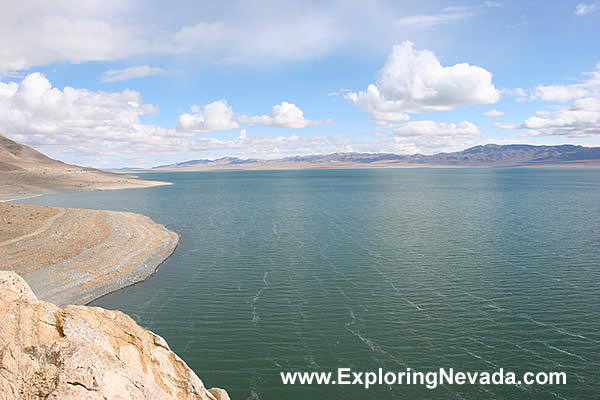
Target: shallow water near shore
(475, 269)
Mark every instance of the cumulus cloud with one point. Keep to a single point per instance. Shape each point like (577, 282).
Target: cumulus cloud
(493, 113)
(104, 129)
(283, 115)
(582, 118)
(216, 116)
(140, 71)
(78, 124)
(414, 81)
(33, 106)
(585, 8)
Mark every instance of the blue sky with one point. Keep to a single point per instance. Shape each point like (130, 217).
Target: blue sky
(128, 83)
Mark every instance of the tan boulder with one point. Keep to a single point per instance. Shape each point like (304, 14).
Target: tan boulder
(83, 353)
(219, 394)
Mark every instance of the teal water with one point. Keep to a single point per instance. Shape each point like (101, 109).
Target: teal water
(474, 269)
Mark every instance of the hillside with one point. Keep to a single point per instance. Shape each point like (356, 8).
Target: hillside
(27, 172)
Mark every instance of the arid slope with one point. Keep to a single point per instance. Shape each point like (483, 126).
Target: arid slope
(26, 172)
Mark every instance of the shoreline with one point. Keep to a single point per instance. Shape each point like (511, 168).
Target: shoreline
(20, 198)
(12, 187)
(141, 280)
(76, 256)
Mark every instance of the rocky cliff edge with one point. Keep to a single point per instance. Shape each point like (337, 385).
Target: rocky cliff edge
(84, 353)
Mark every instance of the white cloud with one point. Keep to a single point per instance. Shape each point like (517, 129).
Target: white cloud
(216, 116)
(140, 71)
(505, 126)
(285, 38)
(589, 87)
(448, 15)
(425, 136)
(104, 129)
(94, 30)
(559, 93)
(434, 128)
(585, 8)
(493, 113)
(261, 31)
(284, 115)
(582, 118)
(519, 93)
(33, 107)
(64, 30)
(74, 124)
(414, 81)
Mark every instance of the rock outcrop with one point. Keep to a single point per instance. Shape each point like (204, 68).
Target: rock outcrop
(84, 353)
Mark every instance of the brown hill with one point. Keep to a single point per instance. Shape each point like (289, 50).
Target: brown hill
(17, 157)
(27, 172)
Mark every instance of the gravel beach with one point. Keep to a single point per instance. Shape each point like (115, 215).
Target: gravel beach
(73, 256)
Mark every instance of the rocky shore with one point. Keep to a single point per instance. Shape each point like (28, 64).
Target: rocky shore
(84, 353)
(52, 258)
(72, 256)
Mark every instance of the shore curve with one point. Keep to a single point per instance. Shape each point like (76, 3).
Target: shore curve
(73, 256)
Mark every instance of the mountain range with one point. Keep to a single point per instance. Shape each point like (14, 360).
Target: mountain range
(490, 155)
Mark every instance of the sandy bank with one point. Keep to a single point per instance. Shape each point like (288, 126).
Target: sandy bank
(23, 184)
(72, 256)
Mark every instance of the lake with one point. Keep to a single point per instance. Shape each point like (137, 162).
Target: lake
(476, 269)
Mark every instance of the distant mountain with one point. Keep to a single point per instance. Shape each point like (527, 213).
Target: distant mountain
(490, 155)
(220, 161)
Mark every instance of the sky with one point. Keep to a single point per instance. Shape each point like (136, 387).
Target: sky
(112, 84)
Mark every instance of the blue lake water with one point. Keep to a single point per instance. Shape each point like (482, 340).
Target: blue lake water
(475, 269)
